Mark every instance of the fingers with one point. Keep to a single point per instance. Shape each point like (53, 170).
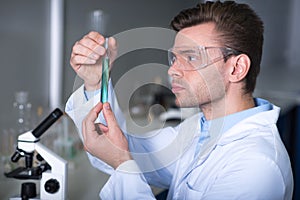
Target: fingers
(112, 146)
(112, 44)
(97, 37)
(90, 49)
(77, 60)
(104, 129)
(109, 116)
(93, 114)
(87, 50)
(88, 124)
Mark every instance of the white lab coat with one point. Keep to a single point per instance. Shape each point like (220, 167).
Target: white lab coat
(249, 161)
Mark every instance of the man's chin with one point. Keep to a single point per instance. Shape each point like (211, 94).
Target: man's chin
(183, 104)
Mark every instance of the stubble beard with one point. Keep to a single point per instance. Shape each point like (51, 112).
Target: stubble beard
(189, 98)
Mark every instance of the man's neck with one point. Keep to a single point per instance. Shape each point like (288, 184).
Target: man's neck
(227, 106)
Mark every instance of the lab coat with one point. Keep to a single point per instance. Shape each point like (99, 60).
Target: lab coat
(248, 161)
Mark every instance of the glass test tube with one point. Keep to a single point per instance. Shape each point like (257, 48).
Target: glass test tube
(105, 74)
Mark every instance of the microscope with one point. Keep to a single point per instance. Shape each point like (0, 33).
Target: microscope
(51, 169)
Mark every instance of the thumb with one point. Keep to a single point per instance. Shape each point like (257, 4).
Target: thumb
(112, 43)
(109, 116)
(113, 48)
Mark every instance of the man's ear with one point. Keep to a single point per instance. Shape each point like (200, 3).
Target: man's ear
(240, 67)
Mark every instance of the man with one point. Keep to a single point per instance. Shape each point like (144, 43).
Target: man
(230, 150)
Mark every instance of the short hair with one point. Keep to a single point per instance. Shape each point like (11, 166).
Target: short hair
(239, 28)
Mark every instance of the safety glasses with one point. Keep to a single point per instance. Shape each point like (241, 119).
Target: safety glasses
(194, 58)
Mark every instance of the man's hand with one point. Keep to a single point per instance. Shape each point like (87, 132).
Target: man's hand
(86, 58)
(107, 143)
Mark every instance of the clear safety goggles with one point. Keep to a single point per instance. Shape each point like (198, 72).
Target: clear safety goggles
(194, 58)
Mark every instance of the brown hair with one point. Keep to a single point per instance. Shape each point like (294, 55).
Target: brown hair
(239, 28)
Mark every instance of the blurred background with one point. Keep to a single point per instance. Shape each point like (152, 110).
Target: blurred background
(36, 39)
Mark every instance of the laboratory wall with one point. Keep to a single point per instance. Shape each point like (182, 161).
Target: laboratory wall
(24, 54)
(294, 32)
(276, 16)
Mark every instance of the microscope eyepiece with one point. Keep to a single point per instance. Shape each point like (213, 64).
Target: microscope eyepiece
(47, 122)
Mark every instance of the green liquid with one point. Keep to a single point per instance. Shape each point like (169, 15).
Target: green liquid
(105, 77)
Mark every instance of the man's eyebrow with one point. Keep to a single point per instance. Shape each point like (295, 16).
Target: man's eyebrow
(187, 51)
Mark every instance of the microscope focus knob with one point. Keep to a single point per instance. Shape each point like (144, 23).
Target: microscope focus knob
(52, 186)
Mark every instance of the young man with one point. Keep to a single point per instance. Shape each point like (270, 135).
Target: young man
(230, 150)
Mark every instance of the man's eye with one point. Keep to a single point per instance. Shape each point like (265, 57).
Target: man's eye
(171, 58)
(191, 58)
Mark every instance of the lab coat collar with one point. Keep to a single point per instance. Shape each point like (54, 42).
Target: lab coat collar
(246, 126)
(222, 131)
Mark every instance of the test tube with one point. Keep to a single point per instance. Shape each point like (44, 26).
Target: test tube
(105, 74)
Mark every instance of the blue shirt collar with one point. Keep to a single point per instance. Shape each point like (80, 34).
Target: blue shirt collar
(231, 120)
